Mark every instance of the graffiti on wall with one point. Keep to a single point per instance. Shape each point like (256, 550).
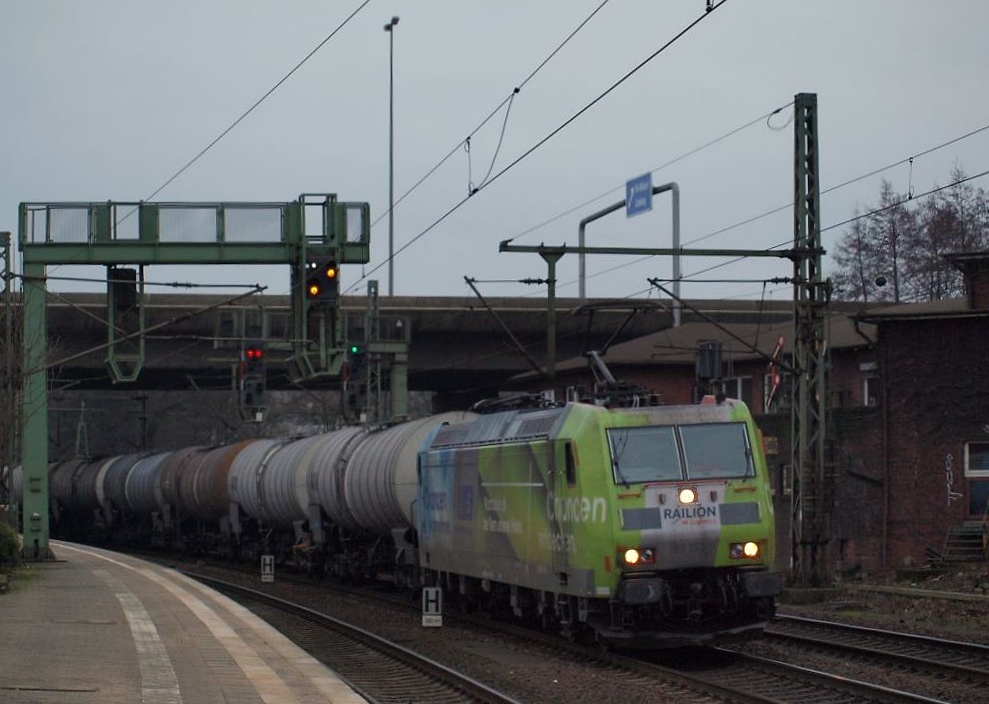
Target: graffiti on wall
(949, 478)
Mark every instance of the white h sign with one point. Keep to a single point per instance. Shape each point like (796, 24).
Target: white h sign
(432, 606)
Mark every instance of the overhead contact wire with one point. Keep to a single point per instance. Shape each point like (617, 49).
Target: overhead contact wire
(857, 217)
(874, 172)
(258, 102)
(849, 182)
(683, 156)
(607, 92)
(556, 131)
(465, 143)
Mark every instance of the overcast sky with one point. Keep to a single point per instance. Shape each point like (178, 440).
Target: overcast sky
(108, 99)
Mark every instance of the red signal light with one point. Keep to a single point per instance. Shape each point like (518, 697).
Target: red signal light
(253, 354)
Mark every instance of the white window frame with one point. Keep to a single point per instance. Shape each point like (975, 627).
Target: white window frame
(869, 371)
(733, 388)
(983, 448)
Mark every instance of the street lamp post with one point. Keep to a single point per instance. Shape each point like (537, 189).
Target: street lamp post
(390, 28)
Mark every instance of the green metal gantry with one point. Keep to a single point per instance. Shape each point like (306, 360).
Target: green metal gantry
(114, 234)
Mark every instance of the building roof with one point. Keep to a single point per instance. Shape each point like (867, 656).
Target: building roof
(678, 345)
(926, 310)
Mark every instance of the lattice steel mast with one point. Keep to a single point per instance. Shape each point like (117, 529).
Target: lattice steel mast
(813, 483)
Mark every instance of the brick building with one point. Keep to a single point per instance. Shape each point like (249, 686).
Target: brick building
(933, 424)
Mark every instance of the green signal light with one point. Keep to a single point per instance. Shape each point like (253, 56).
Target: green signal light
(354, 349)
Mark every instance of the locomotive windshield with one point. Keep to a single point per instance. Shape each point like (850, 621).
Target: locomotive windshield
(716, 450)
(645, 454)
(669, 453)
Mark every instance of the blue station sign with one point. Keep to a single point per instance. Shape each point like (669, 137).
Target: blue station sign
(638, 195)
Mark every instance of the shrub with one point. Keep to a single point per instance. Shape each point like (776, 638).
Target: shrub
(10, 545)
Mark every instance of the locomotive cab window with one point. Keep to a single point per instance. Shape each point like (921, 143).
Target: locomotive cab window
(571, 463)
(644, 454)
(716, 450)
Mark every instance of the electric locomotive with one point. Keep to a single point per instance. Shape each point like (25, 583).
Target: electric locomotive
(644, 527)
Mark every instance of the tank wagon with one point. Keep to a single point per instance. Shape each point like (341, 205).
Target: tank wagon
(642, 527)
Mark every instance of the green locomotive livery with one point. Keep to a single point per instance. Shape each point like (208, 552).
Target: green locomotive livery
(644, 527)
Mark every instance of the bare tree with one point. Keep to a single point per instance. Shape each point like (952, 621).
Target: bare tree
(855, 259)
(896, 251)
(870, 255)
(953, 220)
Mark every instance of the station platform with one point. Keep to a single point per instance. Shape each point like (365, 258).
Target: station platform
(94, 626)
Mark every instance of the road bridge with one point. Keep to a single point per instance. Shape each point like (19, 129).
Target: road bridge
(457, 345)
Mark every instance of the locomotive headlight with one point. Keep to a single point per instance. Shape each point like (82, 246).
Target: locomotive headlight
(687, 496)
(639, 556)
(749, 550)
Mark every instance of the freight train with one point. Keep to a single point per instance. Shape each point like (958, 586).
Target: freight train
(642, 527)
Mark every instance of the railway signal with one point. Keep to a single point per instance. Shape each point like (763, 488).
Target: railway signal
(253, 382)
(357, 380)
(356, 357)
(322, 279)
(254, 359)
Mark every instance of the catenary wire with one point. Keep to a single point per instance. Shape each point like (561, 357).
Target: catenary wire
(258, 102)
(251, 109)
(679, 35)
(906, 200)
(762, 215)
(849, 182)
(781, 208)
(508, 99)
(657, 169)
(860, 216)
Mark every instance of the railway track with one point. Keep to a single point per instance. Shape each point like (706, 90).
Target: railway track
(704, 675)
(733, 676)
(775, 681)
(936, 657)
(382, 671)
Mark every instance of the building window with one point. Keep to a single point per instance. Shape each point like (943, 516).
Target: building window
(977, 459)
(977, 476)
(229, 329)
(277, 325)
(871, 388)
(739, 388)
